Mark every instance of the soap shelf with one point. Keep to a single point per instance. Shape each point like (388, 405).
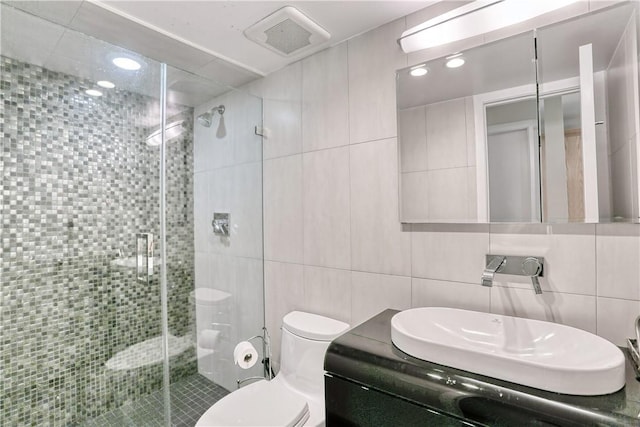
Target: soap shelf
(632, 345)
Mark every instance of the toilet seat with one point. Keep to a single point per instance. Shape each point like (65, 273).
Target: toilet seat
(263, 403)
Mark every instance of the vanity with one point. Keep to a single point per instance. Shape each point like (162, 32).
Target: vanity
(370, 382)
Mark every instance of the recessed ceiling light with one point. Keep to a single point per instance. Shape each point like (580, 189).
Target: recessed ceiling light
(418, 70)
(455, 61)
(126, 63)
(106, 84)
(93, 92)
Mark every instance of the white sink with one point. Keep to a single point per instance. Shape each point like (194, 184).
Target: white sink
(534, 353)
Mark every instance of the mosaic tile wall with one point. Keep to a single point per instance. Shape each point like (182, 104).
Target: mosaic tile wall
(78, 182)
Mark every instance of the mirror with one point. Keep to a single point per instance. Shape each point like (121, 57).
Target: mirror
(497, 140)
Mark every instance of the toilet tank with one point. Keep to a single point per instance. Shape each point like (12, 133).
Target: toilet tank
(305, 339)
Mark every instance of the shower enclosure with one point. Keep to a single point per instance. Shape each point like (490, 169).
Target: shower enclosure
(119, 303)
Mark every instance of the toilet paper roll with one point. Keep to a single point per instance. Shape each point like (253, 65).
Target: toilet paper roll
(245, 355)
(209, 339)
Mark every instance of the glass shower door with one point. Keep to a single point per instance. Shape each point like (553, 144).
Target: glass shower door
(114, 283)
(222, 210)
(81, 336)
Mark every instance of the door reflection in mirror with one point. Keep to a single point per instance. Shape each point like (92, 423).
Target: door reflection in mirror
(512, 147)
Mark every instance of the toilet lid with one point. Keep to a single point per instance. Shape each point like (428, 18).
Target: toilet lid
(313, 326)
(264, 403)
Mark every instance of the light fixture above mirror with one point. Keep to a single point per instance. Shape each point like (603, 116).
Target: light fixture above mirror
(473, 19)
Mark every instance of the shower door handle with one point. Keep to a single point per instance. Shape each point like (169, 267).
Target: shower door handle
(144, 256)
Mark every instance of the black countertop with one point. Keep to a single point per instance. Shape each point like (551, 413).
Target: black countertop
(366, 355)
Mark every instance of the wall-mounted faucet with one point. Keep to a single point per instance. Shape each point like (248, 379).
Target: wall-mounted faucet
(492, 267)
(529, 266)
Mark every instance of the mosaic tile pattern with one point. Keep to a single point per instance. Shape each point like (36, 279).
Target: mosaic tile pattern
(190, 398)
(78, 182)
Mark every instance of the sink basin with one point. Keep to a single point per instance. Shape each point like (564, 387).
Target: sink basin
(534, 353)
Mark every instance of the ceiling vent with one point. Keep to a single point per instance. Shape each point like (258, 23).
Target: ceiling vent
(287, 32)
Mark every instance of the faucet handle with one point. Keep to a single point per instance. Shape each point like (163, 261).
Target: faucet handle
(532, 267)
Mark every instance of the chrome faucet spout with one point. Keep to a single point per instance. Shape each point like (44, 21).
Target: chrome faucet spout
(491, 269)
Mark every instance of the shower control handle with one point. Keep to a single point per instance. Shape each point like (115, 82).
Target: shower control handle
(220, 223)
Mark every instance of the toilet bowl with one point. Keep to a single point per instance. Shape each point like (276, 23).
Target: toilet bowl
(295, 397)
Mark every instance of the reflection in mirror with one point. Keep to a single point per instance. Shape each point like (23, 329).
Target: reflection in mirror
(561, 158)
(588, 76)
(440, 124)
(512, 155)
(492, 142)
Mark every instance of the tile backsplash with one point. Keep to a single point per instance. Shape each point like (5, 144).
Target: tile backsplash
(333, 241)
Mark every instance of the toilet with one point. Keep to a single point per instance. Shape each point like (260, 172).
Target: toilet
(295, 397)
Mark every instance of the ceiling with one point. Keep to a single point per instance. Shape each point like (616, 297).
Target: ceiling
(217, 26)
(202, 40)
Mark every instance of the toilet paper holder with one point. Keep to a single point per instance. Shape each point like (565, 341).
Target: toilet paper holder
(266, 360)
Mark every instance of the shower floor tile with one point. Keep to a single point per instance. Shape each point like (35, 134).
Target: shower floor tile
(190, 398)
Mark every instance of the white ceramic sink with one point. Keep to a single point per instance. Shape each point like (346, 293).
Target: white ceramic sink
(534, 353)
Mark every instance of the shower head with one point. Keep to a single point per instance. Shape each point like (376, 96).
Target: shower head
(205, 119)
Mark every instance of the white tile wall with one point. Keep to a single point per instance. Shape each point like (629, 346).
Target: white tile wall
(283, 214)
(327, 291)
(373, 293)
(449, 255)
(325, 106)
(326, 208)
(377, 241)
(439, 293)
(284, 292)
(618, 263)
(282, 104)
(373, 59)
(347, 199)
